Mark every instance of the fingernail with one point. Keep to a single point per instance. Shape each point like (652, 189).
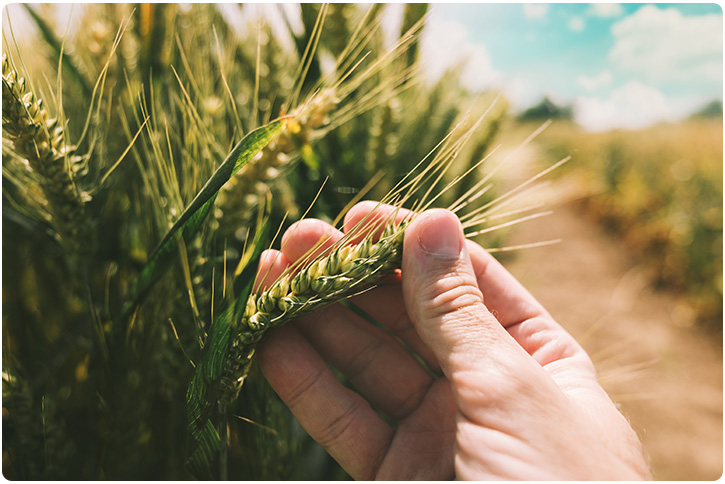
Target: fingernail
(440, 236)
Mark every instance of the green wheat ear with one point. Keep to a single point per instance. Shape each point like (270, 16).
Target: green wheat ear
(341, 272)
(40, 139)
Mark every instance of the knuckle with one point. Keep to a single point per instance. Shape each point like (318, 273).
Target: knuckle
(337, 426)
(302, 389)
(361, 361)
(450, 294)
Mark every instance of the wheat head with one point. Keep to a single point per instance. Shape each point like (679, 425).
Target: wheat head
(40, 139)
(344, 270)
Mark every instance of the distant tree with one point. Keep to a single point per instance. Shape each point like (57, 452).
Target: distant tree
(546, 109)
(713, 109)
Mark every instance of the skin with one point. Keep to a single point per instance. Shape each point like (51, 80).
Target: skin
(510, 394)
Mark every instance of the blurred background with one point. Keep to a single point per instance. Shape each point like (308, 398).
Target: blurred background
(635, 92)
(634, 95)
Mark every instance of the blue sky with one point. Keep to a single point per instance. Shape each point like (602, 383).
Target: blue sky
(621, 65)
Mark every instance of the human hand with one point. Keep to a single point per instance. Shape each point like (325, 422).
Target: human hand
(516, 396)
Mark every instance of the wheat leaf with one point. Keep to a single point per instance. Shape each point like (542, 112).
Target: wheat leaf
(205, 456)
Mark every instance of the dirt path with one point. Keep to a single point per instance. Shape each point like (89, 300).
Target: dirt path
(666, 376)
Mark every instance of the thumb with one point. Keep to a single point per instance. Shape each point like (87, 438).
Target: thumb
(443, 299)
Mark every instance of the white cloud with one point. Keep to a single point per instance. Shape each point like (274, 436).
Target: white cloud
(605, 10)
(594, 83)
(576, 24)
(633, 105)
(535, 10)
(445, 44)
(664, 45)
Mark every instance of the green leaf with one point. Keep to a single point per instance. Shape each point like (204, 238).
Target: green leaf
(188, 224)
(206, 454)
(201, 395)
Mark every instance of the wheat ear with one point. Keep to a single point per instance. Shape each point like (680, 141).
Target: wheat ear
(344, 270)
(40, 140)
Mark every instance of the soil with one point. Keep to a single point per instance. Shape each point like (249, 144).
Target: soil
(665, 373)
